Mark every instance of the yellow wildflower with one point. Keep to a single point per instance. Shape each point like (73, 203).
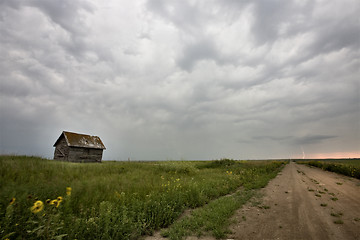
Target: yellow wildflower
(117, 194)
(38, 207)
(12, 201)
(60, 199)
(55, 202)
(68, 191)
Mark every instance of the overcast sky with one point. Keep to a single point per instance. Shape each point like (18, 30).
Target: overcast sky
(163, 79)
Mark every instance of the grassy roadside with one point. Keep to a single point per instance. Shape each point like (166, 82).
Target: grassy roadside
(112, 200)
(214, 218)
(349, 168)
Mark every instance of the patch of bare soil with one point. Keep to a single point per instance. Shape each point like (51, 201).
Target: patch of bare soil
(302, 203)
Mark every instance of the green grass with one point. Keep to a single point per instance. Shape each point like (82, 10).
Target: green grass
(213, 218)
(339, 221)
(120, 200)
(349, 168)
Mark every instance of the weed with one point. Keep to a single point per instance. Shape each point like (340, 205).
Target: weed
(334, 198)
(264, 207)
(317, 195)
(338, 221)
(339, 183)
(339, 214)
(332, 194)
(323, 204)
(314, 181)
(356, 219)
(325, 189)
(311, 190)
(299, 171)
(243, 218)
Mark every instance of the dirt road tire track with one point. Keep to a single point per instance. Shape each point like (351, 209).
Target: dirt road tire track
(292, 207)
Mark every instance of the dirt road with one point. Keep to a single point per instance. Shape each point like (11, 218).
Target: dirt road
(302, 203)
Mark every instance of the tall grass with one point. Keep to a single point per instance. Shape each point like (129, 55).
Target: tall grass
(349, 168)
(214, 218)
(112, 200)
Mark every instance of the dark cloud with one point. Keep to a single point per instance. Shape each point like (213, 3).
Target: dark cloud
(202, 50)
(271, 138)
(296, 140)
(181, 79)
(67, 14)
(313, 139)
(269, 17)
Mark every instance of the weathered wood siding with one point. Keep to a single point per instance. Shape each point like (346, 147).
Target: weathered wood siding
(77, 154)
(61, 150)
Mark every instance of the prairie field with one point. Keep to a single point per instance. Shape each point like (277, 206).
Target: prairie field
(46, 199)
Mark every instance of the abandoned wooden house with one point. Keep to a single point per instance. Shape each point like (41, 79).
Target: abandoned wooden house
(75, 147)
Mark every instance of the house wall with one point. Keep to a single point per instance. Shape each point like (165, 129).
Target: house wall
(61, 150)
(77, 154)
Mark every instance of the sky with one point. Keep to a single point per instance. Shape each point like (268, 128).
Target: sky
(182, 80)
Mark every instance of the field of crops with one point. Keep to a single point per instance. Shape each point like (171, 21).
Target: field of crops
(44, 199)
(348, 167)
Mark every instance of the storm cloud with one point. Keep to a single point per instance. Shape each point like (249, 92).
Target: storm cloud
(163, 79)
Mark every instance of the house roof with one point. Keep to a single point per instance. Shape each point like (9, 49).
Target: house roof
(81, 140)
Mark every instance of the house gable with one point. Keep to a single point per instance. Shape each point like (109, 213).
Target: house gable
(74, 147)
(81, 140)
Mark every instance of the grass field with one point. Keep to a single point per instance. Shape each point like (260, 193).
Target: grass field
(44, 199)
(348, 167)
